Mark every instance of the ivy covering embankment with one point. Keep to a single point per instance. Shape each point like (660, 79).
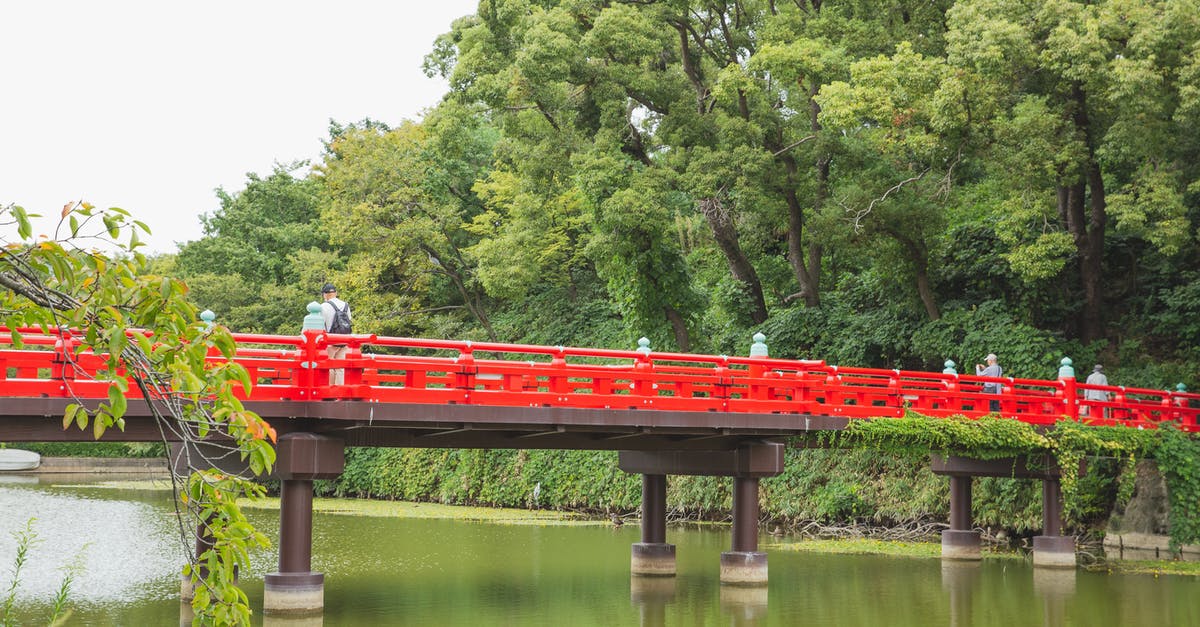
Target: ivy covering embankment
(875, 472)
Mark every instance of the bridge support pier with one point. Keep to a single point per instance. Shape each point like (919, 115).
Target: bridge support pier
(301, 458)
(1052, 549)
(187, 589)
(960, 541)
(653, 556)
(744, 564)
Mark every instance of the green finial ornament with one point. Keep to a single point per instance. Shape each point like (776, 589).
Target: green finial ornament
(208, 317)
(759, 347)
(1065, 371)
(950, 367)
(1181, 388)
(314, 319)
(644, 346)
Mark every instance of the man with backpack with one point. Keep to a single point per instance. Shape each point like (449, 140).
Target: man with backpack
(336, 313)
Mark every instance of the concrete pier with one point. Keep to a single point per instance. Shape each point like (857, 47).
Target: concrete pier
(652, 559)
(744, 565)
(1052, 549)
(301, 458)
(187, 587)
(960, 541)
(653, 556)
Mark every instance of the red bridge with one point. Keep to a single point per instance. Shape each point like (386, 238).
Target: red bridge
(669, 413)
(420, 385)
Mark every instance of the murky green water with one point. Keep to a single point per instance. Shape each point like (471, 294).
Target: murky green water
(386, 571)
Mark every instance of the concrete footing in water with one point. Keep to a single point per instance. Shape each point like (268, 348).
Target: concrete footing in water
(293, 593)
(962, 545)
(744, 568)
(652, 559)
(1054, 551)
(187, 589)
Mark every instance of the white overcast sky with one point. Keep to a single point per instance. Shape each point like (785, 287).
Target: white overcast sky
(150, 106)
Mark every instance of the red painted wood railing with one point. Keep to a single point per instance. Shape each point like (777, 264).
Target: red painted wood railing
(409, 370)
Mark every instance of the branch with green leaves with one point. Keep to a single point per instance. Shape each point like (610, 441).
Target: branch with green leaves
(89, 284)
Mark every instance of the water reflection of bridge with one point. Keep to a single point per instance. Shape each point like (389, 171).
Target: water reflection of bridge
(668, 414)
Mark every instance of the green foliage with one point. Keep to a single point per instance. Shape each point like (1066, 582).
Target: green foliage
(26, 539)
(890, 489)
(1118, 449)
(263, 255)
(113, 305)
(551, 479)
(1178, 456)
(967, 335)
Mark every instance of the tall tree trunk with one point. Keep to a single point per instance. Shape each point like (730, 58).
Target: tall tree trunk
(806, 260)
(822, 173)
(1091, 263)
(1086, 218)
(740, 267)
(918, 255)
(805, 271)
(679, 326)
(926, 293)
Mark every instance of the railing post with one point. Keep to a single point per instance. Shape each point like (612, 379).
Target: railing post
(1180, 402)
(1070, 390)
(949, 368)
(304, 377)
(62, 368)
(643, 367)
(758, 389)
(464, 379)
(558, 381)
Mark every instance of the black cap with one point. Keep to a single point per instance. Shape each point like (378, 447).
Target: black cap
(328, 288)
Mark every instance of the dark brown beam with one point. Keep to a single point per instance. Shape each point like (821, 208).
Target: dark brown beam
(759, 459)
(1034, 467)
(537, 434)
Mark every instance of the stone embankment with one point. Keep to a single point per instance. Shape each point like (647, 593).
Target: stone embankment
(1141, 531)
(132, 467)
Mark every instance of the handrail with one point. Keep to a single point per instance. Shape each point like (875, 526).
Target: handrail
(384, 369)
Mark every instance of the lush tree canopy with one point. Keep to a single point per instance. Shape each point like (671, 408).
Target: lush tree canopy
(891, 183)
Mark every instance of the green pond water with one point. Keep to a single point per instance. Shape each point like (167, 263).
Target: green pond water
(386, 570)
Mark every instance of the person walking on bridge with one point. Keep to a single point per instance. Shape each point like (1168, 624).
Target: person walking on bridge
(993, 369)
(336, 314)
(1096, 378)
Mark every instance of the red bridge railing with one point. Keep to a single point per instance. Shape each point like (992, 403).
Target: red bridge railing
(410, 370)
